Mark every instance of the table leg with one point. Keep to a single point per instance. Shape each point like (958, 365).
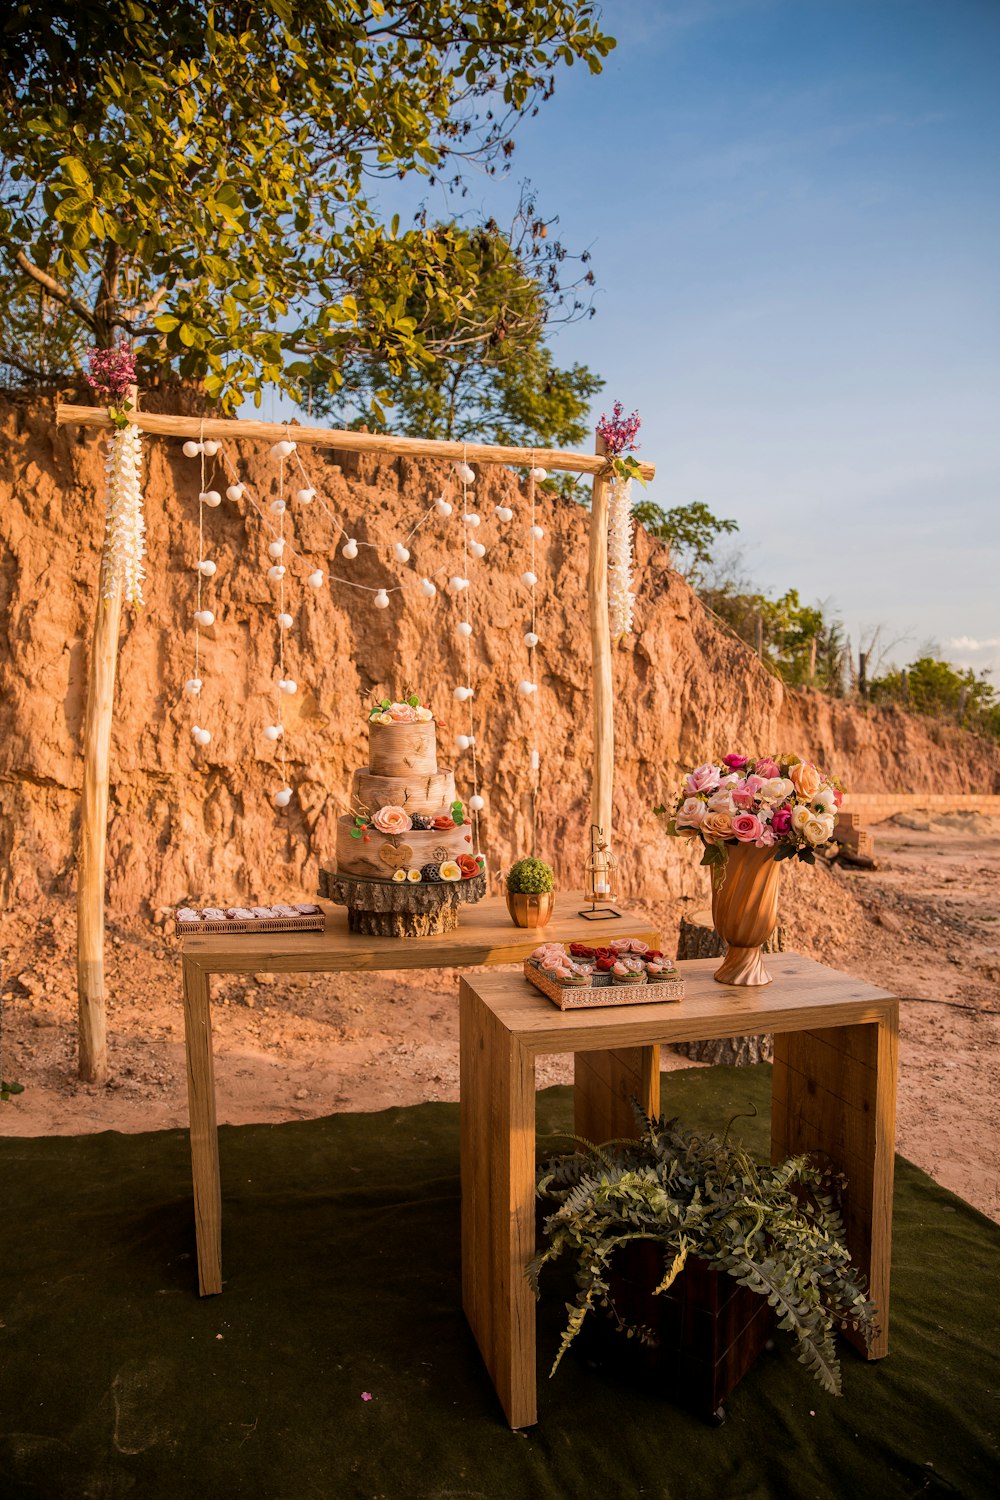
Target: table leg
(834, 1092)
(604, 1085)
(498, 1203)
(204, 1133)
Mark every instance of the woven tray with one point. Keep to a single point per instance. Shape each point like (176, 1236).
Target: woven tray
(315, 923)
(603, 992)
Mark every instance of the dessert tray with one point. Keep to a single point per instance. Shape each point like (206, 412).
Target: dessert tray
(625, 973)
(303, 916)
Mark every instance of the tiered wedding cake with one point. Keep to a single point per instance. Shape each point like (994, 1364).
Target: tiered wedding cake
(407, 848)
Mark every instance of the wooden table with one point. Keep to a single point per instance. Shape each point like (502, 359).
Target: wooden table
(833, 1090)
(485, 935)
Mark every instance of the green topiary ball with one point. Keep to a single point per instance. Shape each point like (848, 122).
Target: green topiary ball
(531, 877)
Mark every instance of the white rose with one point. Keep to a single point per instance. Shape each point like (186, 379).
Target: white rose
(691, 814)
(823, 802)
(800, 817)
(816, 831)
(722, 801)
(776, 789)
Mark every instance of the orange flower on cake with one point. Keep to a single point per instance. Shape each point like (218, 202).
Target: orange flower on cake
(392, 820)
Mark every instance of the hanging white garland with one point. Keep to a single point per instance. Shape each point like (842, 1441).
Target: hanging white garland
(618, 434)
(125, 528)
(620, 531)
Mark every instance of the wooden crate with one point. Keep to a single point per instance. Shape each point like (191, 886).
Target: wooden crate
(707, 1329)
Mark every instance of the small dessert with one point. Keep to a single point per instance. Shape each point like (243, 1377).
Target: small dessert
(625, 972)
(185, 914)
(629, 945)
(213, 914)
(421, 823)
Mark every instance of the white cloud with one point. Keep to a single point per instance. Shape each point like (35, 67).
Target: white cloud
(969, 643)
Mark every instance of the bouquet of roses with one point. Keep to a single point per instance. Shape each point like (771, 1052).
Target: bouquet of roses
(774, 801)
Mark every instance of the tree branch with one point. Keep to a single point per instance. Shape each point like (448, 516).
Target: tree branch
(55, 289)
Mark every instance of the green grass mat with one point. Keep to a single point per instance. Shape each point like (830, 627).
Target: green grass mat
(341, 1249)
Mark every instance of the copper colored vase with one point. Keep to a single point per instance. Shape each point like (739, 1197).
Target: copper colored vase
(745, 911)
(530, 910)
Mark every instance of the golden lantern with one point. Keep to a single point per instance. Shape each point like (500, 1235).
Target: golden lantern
(601, 884)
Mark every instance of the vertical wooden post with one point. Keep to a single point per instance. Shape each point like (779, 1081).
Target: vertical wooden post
(600, 640)
(93, 1049)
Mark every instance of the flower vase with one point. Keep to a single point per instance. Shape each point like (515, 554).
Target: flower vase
(745, 911)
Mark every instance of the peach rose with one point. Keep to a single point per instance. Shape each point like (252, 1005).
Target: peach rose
(717, 825)
(392, 820)
(402, 713)
(805, 779)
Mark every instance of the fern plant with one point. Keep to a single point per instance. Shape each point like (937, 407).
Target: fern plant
(775, 1229)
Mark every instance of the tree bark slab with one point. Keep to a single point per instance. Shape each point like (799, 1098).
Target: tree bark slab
(386, 908)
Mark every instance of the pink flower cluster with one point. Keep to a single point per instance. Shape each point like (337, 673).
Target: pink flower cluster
(618, 431)
(766, 801)
(112, 371)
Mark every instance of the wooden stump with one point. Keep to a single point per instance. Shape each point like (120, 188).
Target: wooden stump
(386, 908)
(699, 939)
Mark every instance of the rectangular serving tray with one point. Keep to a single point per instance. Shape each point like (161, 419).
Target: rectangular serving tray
(603, 992)
(314, 923)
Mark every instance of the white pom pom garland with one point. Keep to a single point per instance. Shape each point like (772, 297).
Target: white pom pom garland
(427, 588)
(350, 548)
(315, 580)
(476, 802)
(381, 600)
(204, 617)
(464, 628)
(283, 797)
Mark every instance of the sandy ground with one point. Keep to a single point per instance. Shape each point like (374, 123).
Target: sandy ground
(925, 925)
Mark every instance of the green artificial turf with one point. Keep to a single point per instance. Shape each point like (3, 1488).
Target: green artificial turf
(341, 1249)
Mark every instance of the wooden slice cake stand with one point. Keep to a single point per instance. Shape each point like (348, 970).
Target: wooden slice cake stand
(388, 908)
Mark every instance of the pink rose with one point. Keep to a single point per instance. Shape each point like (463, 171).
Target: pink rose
(702, 779)
(747, 828)
(766, 839)
(782, 820)
(754, 783)
(734, 762)
(402, 713)
(691, 814)
(392, 820)
(767, 768)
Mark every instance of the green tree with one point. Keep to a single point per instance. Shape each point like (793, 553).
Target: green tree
(930, 686)
(199, 178)
(488, 373)
(692, 531)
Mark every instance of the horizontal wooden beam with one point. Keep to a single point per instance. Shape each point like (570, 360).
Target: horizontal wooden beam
(238, 430)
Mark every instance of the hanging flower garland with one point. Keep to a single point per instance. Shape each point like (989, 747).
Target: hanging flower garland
(112, 373)
(618, 433)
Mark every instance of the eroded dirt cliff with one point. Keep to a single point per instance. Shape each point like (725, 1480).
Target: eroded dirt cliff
(199, 824)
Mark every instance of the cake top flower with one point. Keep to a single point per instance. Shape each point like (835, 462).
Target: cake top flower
(407, 710)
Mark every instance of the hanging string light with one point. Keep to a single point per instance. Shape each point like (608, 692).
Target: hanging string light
(286, 686)
(465, 694)
(204, 569)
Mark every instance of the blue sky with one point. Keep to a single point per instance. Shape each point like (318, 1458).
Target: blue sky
(793, 209)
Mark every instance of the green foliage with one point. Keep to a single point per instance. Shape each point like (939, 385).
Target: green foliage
(775, 1229)
(530, 877)
(201, 178)
(798, 641)
(486, 372)
(930, 686)
(692, 530)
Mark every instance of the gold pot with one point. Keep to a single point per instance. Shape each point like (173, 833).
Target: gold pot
(530, 911)
(745, 911)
